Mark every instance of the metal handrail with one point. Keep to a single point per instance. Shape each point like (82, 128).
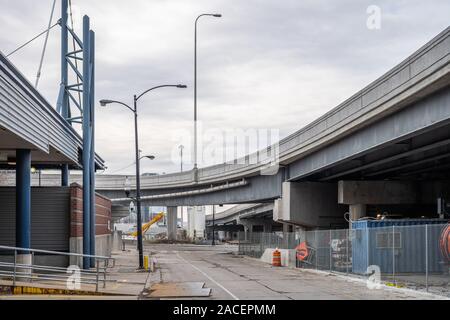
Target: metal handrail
(41, 272)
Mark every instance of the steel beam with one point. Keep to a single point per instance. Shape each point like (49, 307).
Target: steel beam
(92, 149)
(86, 144)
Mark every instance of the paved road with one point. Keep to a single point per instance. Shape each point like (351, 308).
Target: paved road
(236, 277)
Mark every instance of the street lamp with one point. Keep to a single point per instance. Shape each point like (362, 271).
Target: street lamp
(216, 15)
(148, 157)
(104, 103)
(181, 147)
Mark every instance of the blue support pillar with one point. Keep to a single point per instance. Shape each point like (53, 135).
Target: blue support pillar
(63, 99)
(65, 175)
(86, 145)
(92, 151)
(23, 199)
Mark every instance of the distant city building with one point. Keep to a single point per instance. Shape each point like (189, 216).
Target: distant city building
(196, 222)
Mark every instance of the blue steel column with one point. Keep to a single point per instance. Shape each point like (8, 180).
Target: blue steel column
(23, 199)
(64, 98)
(86, 144)
(65, 175)
(92, 156)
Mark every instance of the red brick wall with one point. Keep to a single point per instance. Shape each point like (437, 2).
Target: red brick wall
(102, 213)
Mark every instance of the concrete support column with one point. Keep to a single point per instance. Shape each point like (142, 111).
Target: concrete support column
(23, 205)
(311, 204)
(172, 223)
(357, 211)
(246, 233)
(248, 227)
(287, 228)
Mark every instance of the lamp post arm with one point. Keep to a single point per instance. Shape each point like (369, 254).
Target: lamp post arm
(123, 104)
(157, 87)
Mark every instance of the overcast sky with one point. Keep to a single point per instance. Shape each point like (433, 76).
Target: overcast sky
(265, 64)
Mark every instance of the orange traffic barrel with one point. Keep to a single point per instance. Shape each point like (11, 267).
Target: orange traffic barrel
(276, 258)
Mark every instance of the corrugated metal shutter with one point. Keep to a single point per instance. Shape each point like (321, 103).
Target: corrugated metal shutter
(50, 218)
(7, 216)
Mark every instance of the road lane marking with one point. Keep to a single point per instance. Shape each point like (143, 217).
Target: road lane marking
(207, 276)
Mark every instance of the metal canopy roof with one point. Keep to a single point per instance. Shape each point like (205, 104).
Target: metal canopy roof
(28, 120)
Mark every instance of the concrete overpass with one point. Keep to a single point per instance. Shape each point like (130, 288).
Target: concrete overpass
(391, 139)
(250, 216)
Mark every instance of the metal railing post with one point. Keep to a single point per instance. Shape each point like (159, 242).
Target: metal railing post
(348, 256)
(393, 254)
(96, 275)
(317, 249)
(104, 274)
(330, 250)
(367, 231)
(426, 257)
(15, 268)
(239, 241)
(261, 238)
(32, 263)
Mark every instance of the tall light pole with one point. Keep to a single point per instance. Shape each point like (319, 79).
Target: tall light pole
(216, 15)
(138, 178)
(181, 147)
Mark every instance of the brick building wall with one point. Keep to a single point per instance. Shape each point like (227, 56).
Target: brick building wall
(103, 233)
(102, 213)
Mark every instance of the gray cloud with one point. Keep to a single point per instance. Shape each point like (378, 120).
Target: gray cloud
(265, 64)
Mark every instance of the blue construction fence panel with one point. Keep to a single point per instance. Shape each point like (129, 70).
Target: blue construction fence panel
(398, 246)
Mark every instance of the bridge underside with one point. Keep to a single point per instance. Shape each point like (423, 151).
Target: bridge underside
(411, 145)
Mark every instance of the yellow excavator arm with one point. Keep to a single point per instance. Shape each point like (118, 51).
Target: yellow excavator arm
(147, 226)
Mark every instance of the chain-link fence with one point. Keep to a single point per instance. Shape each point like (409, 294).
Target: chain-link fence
(413, 256)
